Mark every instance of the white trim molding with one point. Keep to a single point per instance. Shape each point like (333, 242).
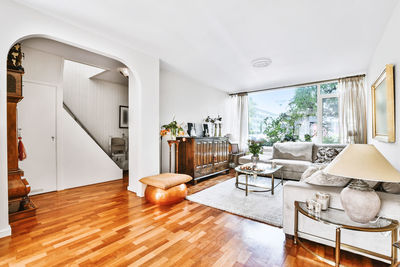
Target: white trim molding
(5, 232)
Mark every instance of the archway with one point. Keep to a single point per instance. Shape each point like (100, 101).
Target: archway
(143, 93)
(45, 77)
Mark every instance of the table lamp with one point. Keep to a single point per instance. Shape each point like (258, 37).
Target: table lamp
(362, 163)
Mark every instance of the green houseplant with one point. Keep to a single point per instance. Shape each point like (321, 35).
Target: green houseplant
(173, 128)
(255, 148)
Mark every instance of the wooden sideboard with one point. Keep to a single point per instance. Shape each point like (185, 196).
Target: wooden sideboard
(200, 157)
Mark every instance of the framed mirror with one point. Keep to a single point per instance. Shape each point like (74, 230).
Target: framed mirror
(383, 107)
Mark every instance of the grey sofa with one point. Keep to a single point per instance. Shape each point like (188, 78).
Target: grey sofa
(296, 157)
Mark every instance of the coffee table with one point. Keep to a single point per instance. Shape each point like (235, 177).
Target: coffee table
(262, 170)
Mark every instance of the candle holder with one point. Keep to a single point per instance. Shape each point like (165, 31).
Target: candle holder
(323, 199)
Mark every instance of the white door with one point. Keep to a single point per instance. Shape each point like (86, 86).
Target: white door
(37, 120)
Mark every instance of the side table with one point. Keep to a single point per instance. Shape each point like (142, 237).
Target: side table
(396, 245)
(340, 220)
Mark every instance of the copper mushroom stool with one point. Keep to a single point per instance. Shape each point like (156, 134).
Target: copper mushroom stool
(166, 188)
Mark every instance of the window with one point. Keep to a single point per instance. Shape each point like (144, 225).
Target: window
(329, 106)
(308, 113)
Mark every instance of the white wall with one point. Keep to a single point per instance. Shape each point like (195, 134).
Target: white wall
(42, 66)
(83, 160)
(387, 52)
(143, 90)
(189, 101)
(95, 102)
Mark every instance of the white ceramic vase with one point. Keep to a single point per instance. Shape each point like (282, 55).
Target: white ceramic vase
(361, 206)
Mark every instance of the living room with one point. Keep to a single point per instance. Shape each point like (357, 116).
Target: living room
(296, 97)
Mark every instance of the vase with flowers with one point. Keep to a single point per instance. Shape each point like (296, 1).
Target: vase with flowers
(172, 128)
(255, 148)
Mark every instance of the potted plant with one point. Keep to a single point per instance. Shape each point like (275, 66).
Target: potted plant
(255, 148)
(173, 128)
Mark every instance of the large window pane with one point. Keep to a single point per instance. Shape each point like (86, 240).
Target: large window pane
(328, 88)
(284, 114)
(290, 114)
(330, 121)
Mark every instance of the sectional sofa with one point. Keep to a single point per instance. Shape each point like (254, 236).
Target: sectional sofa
(296, 157)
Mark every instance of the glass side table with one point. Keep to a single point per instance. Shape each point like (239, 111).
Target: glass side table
(340, 220)
(396, 245)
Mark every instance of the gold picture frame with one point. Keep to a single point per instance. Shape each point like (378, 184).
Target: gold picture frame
(383, 107)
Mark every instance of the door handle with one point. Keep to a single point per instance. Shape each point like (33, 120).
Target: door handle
(53, 138)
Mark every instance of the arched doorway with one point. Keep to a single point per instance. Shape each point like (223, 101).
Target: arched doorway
(143, 96)
(65, 151)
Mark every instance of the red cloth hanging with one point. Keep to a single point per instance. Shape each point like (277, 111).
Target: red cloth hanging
(21, 150)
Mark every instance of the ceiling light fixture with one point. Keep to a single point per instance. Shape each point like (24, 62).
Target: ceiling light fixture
(124, 71)
(261, 62)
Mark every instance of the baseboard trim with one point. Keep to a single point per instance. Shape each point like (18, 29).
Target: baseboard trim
(139, 194)
(5, 232)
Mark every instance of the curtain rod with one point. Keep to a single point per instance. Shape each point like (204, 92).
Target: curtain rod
(295, 85)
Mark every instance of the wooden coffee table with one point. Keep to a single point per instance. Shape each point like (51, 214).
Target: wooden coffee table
(261, 170)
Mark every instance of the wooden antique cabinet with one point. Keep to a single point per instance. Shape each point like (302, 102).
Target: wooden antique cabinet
(200, 157)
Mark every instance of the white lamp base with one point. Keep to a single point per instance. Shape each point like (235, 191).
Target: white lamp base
(360, 202)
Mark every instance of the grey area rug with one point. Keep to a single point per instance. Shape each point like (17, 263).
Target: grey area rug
(260, 206)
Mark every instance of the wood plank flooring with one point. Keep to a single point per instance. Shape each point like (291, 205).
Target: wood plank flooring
(105, 225)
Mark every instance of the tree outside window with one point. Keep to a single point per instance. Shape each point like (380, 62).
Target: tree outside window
(304, 114)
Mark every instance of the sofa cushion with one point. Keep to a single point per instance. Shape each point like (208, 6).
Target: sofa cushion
(292, 165)
(166, 180)
(311, 170)
(321, 178)
(374, 185)
(289, 175)
(293, 151)
(393, 188)
(326, 153)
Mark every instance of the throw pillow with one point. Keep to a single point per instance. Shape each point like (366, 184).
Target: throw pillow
(311, 170)
(327, 154)
(374, 185)
(321, 178)
(393, 188)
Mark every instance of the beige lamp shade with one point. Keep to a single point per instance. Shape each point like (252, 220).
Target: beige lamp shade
(363, 162)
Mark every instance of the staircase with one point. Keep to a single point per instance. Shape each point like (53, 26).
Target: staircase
(115, 159)
(69, 111)
(84, 161)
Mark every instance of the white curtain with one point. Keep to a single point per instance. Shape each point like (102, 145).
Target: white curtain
(352, 110)
(238, 126)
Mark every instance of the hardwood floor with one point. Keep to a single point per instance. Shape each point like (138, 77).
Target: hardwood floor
(105, 225)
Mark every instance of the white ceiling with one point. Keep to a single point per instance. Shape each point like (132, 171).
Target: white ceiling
(214, 41)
